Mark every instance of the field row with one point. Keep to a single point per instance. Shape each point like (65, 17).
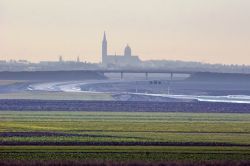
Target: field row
(43, 128)
(157, 136)
(123, 153)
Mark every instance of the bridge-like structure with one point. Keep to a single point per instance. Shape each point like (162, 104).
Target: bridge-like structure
(146, 72)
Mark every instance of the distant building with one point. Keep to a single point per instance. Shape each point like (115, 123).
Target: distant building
(122, 60)
(60, 58)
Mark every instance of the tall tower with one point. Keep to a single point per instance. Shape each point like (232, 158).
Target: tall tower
(127, 51)
(104, 48)
(60, 59)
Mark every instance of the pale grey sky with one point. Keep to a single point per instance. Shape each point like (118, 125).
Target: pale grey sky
(215, 31)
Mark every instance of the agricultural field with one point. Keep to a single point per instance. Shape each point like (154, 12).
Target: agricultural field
(123, 136)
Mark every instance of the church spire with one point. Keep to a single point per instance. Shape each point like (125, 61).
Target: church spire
(104, 48)
(104, 36)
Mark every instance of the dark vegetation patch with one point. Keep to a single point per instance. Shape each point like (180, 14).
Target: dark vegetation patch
(122, 106)
(51, 75)
(116, 163)
(48, 143)
(219, 77)
(162, 131)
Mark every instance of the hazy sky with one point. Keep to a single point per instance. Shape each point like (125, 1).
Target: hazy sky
(215, 31)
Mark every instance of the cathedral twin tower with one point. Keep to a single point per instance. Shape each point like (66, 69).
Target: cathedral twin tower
(122, 60)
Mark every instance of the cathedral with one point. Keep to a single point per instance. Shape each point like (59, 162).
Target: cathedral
(122, 60)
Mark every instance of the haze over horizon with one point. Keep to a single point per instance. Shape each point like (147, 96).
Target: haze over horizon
(215, 31)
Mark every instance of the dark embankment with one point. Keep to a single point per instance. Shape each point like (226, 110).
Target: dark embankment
(51, 75)
(219, 77)
(122, 106)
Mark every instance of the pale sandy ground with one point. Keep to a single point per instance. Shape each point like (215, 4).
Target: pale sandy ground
(16, 91)
(57, 96)
(8, 82)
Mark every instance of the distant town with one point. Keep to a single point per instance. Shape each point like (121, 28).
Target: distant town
(126, 61)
